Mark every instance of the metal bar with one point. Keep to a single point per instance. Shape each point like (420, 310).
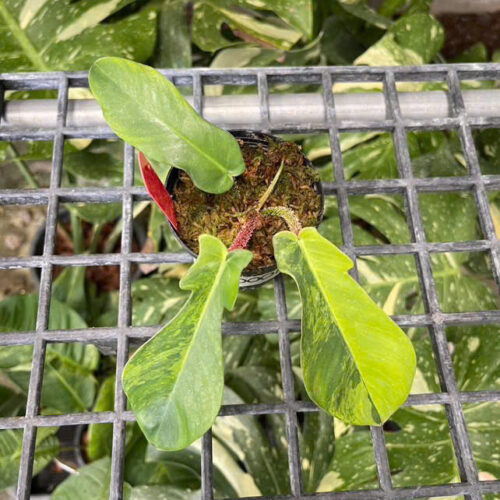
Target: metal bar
(291, 109)
(457, 426)
(124, 320)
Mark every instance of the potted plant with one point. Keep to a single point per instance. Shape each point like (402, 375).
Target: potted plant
(357, 364)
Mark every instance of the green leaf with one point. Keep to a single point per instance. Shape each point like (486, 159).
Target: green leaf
(68, 383)
(163, 492)
(156, 300)
(412, 40)
(174, 382)
(209, 17)
(174, 40)
(146, 110)
(100, 436)
(97, 213)
(348, 359)
(11, 443)
(361, 9)
(66, 35)
(91, 481)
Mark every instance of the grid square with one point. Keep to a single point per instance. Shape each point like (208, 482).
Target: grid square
(84, 297)
(476, 359)
(69, 385)
(458, 290)
(420, 448)
(368, 155)
(392, 282)
(449, 216)
(25, 164)
(255, 450)
(92, 163)
(436, 153)
(379, 219)
(487, 143)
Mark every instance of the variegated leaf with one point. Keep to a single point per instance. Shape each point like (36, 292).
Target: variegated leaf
(357, 364)
(175, 381)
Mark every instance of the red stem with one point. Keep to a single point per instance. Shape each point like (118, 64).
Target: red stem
(245, 233)
(157, 190)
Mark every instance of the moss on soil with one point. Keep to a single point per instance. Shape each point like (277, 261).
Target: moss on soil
(223, 215)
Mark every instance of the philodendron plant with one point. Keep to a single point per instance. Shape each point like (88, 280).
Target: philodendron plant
(357, 364)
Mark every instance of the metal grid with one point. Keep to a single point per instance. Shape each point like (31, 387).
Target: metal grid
(118, 339)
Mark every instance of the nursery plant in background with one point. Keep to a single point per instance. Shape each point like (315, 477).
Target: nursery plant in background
(357, 367)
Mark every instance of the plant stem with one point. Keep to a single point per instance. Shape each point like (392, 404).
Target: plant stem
(23, 168)
(76, 230)
(95, 237)
(271, 187)
(287, 215)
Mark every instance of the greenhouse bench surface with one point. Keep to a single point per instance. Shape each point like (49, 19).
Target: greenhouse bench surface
(388, 109)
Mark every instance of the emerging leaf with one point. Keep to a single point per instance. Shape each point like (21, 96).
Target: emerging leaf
(357, 364)
(146, 110)
(175, 381)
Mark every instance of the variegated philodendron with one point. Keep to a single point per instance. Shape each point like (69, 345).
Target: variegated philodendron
(356, 363)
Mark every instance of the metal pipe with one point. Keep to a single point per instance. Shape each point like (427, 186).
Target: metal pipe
(292, 109)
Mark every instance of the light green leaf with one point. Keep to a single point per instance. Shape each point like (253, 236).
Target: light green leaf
(11, 443)
(174, 382)
(66, 35)
(210, 15)
(358, 367)
(91, 481)
(100, 436)
(146, 110)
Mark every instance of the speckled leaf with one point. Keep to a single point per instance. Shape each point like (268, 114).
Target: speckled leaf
(11, 443)
(159, 122)
(174, 382)
(156, 300)
(174, 40)
(412, 40)
(92, 481)
(68, 35)
(245, 438)
(358, 367)
(210, 15)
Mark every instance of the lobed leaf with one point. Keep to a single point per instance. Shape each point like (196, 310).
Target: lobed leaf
(158, 121)
(357, 364)
(174, 382)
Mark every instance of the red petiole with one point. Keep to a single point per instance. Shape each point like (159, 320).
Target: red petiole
(157, 190)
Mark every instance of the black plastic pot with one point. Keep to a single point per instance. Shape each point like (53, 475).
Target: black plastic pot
(254, 277)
